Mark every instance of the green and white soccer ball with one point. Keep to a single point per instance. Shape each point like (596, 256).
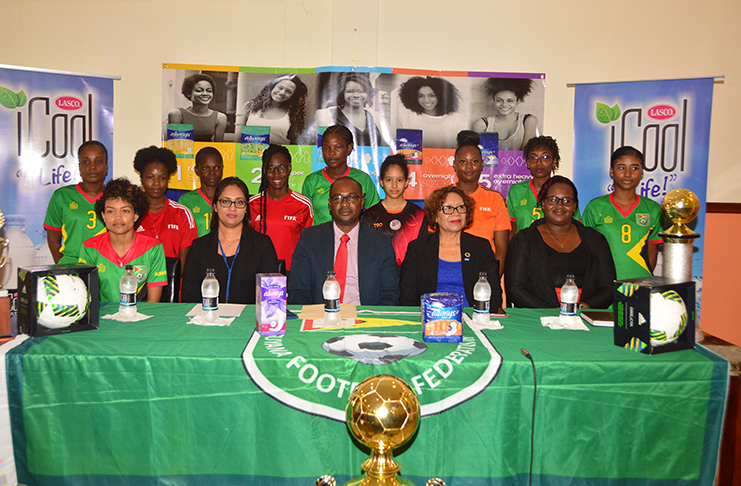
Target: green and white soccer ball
(62, 300)
(668, 317)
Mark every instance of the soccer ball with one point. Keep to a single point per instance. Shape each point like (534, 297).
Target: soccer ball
(668, 317)
(62, 300)
(383, 411)
(374, 349)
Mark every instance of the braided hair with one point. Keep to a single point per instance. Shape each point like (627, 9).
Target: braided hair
(268, 154)
(340, 130)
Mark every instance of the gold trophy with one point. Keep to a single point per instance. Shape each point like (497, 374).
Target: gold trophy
(680, 206)
(382, 413)
(4, 243)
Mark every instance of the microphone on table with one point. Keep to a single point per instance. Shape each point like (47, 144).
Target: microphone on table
(532, 426)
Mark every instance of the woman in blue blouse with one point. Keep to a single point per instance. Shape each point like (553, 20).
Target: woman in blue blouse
(448, 260)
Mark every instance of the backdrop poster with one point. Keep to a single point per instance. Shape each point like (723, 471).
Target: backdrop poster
(387, 110)
(669, 121)
(44, 118)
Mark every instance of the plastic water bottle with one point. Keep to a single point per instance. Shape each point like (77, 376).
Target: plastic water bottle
(569, 296)
(481, 298)
(331, 295)
(210, 294)
(127, 287)
(21, 252)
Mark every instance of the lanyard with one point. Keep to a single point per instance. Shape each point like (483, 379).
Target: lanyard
(229, 267)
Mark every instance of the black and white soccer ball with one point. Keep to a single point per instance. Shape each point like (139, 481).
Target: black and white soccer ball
(374, 349)
(62, 300)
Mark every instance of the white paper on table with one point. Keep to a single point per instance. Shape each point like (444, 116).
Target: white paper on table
(225, 310)
(319, 323)
(221, 321)
(117, 317)
(493, 325)
(573, 323)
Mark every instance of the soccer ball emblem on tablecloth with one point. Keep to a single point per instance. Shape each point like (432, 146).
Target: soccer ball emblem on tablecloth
(62, 300)
(374, 349)
(668, 317)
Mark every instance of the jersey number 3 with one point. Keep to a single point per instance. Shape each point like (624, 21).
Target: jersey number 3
(93, 220)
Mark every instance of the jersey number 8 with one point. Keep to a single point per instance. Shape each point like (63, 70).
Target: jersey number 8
(625, 231)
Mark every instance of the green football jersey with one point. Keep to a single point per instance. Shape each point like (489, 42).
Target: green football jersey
(316, 188)
(627, 233)
(522, 205)
(201, 207)
(73, 213)
(146, 255)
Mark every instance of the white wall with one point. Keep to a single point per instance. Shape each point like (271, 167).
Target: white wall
(572, 41)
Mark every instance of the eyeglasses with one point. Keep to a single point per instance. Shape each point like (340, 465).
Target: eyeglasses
(461, 209)
(554, 200)
(350, 198)
(226, 203)
(280, 168)
(544, 159)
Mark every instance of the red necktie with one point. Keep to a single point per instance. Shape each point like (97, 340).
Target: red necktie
(340, 265)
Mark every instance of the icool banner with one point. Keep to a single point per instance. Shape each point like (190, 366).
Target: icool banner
(44, 118)
(669, 121)
(239, 110)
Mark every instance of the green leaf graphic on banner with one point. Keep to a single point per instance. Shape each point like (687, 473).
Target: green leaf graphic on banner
(21, 99)
(615, 112)
(12, 100)
(604, 113)
(7, 98)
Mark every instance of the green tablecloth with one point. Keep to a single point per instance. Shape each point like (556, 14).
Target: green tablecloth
(165, 402)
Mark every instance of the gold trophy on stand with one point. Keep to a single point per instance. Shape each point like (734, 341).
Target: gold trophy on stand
(680, 206)
(382, 413)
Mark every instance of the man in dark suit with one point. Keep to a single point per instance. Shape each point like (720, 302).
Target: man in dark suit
(372, 277)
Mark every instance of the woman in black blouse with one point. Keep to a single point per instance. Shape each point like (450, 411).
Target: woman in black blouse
(540, 257)
(232, 248)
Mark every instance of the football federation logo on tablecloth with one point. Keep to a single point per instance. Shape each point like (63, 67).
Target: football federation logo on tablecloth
(315, 371)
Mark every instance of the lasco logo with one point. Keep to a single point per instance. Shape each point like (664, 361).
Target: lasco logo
(68, 103)
(661, 112)
(315, 371)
